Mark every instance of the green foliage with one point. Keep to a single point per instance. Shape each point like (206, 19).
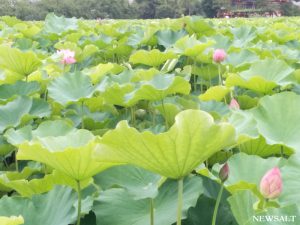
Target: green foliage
(138, 148)
(136, 130)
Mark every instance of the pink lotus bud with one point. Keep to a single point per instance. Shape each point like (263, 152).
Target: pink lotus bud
(68, 56)
(219, 55)
(224, 172)
(271, 184)
(234, 104)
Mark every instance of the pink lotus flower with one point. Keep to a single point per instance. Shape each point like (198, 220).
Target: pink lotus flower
(219, 55)
(224, 172)
(271, 184)
(234, 104)
(68, 56)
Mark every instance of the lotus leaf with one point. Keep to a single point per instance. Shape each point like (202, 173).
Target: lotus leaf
(174, 153)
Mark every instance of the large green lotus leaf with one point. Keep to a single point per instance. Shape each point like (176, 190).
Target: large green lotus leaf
(6, 177)
(246, 101)
(53, 208)
(13, 112)
(196, 24)
(115, 93)
(138, 182)
(240, 177)
(169, 111)
(167, 38)
(98, 72)
(255, 83)
(136, 38)
(173, 154)
(282, 108)
(217, 109)
(171, 106)
(113, 88)
(19, 88)
(137, 212)
(242, 206)
(71, 154)
(216, 93)
(71, 87)
(142, 36)
(119, 49)
(263, 76)
(21, 63)
(274, 70)
(53, 128)
(122, 78)
(90, 120)
(45, 129)
(39, 108)
(190, 46)
(291, 183)
(243, 35)
(28, 188)
(207, 71)
(158, 88)
(18, 136)
(238, 59)
(59, 24)
(31, 30)
(23, 44)
(144, 75)
(13, 220)
(5, 147)
(258, 146)
(245, 125)
(197, 215)
(10, 20)
(87, 51)
(221, 41)
(151, 58)
(9, 77)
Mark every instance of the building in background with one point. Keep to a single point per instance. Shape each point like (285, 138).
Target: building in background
(250, 8)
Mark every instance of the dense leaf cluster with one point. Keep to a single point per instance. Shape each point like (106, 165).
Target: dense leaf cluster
(136, 128)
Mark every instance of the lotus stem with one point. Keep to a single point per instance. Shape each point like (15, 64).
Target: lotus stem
(214, 219)
(46, 94)
(153, 117)
(82, 116)
(220, 76)
(195, 82)
(180, 201)
(132, 110)
(151, 211)
(79, 202)
(265, 203)
(165, 114)
(16, 162)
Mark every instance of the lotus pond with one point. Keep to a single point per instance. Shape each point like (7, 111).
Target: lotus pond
(150, 122)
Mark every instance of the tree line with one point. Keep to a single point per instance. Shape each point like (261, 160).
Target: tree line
(117, 9)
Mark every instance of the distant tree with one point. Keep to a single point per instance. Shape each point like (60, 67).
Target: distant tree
(289, 9)
(209, 8)
(7, 7)
(146, 9)
(165, 11)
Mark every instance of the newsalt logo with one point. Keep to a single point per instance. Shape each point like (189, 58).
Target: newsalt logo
(274, 218)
